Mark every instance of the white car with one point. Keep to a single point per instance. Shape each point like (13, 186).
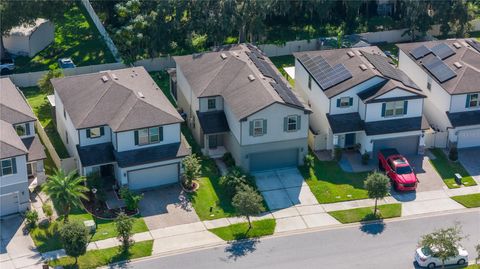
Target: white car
(425, 257)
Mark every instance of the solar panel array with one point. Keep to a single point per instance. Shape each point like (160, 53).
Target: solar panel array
(420, 52)
(443, 51)
(439, 69)
(326, 75)
(267, 70)
(383, 66)
(474, 44)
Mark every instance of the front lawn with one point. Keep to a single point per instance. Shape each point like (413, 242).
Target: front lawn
(42, 109)
(46, 238)
(366, 213)
(447, 169)
(469, 200)
(103, 257)
(240, 230)
(76, 37)
(330, 184)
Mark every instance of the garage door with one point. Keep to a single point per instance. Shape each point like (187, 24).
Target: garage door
(153, 177)
(468, 138)
(273, 160)
(405, 145)
(8, 204)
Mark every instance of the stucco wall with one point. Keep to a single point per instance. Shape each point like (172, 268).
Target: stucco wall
(126, 140)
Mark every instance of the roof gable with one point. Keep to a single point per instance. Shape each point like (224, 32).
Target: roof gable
(13, 107)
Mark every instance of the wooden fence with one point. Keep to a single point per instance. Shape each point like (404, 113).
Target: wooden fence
(67, 164)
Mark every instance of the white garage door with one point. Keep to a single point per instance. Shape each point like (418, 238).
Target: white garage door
(8, 204)
(153, 176)
(469, 138)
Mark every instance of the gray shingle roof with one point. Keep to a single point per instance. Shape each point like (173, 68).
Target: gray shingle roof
(345, 123)
(36, 151)
(396, 126)
(96, 154)
(13, 107)
(10, 143)
(213, 122)
(467, 75)
(130, 99)
(467, 118)
(209, 74)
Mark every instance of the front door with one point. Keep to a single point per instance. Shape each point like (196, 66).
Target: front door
(106, 170)
(212, 141)
(349, 140)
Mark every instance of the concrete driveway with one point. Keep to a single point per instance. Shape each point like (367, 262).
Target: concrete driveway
(166, 207)
(469, 158)
(284, 188)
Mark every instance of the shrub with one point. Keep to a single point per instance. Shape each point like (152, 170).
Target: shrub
(131, 199)
(365, 158)
(48, 210)
(32, 218)
(453, 154)
(233, 180)
(191, 170)
(44, 83)
(74, 237)
(124, 226)
(309, 161)
(228, 159)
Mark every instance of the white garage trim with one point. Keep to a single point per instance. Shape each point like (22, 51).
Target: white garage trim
(468, 138)
(12, 206)
(153, 176)
(405, 144)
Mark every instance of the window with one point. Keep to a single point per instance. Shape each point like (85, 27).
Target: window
(95, 132)
(212, 103)
(8, 167)
(310, 82)
(344, 102)
(66, 137)
(148, 135)
(23, 129)
(429, 83)
(397, 108)
(258, 127)
(472, 100)
(292, 123)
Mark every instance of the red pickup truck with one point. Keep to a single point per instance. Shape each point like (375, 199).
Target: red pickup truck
(397, 169)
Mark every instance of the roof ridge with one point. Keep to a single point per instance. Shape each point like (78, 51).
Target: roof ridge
(216, 75)
(129, 110)
(9, 107)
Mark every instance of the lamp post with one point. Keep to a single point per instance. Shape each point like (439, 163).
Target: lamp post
(94, 191)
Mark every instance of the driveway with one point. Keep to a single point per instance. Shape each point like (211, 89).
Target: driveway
(284, 188)
(469, 158)
(166, 207)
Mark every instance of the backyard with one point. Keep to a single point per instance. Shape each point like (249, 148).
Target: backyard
(447, 170)
(75, 37)
(284, 61)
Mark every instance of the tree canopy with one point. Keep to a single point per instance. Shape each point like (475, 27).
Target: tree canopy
(443, 242)
(377, 186)
(74, 237)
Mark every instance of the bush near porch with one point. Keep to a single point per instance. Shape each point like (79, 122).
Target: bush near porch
(447, 170)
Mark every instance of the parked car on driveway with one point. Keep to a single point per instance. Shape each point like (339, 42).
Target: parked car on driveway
(6, 66)
(426, 257)
(66, 63)
(398, 169)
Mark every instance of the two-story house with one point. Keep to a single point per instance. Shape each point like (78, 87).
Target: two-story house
(360, 101)
(448, 71)
(236, 101)
(21, 152)
(120, 125)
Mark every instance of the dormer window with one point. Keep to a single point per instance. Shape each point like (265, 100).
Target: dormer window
(473, 100)
(345, 102)
(22, 129)
(392, 109)
(95, 132)
(148, 135)
(212, 104)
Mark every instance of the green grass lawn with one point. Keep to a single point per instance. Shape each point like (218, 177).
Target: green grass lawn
(366, 213)
(473, 266)
(284, 61)
(48, 239)
(76, 37)
(163, 81)
(469, 200)
(40, 106)
(330, 184)
(447, 169)
(240, 230)
(102, 257)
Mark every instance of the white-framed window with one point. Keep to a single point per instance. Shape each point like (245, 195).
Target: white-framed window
(292, 123)
(22, 129)
(258, 127)
(211, 103)
(345, 102)
(394, 108)
(95, 132)
(309, 82)
(148, 135)
(473, 100)
(7, 167)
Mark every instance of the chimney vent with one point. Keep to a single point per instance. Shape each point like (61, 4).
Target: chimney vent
(363, 67)
(457, 65)
(350, 54)
(223, 55)
(114, 76)
(140, 94)
(457, 45)
(251, 77)
(104, 78)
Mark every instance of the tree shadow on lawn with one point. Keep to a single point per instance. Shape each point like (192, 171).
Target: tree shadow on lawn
(237, 249)
(371, 224)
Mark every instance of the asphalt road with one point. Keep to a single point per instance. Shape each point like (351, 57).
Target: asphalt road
(390, 245)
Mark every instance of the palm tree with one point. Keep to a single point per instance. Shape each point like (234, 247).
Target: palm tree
(66, 191)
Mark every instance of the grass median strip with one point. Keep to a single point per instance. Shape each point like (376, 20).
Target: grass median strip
(240, 230)
(366, 213)
(469, 200)
(102, 257)
(447, 170)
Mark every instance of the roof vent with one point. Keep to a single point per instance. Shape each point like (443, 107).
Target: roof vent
(236, 54)
(458, 65)
(457, 45)
(104, 78)
(251, 77)
(140, 94)
(363, 67)
(350, 54)
(223, 55)
(114, 76)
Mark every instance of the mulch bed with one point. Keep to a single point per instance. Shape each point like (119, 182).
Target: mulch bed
(100, 210)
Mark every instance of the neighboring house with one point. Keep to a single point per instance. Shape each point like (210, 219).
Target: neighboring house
(235, 100)
(360, 101)
(28, 40)
(21, 152)
(121, 126)
(448, 71)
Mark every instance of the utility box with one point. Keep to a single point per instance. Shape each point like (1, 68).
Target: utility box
(90, 224)
(458, 179)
